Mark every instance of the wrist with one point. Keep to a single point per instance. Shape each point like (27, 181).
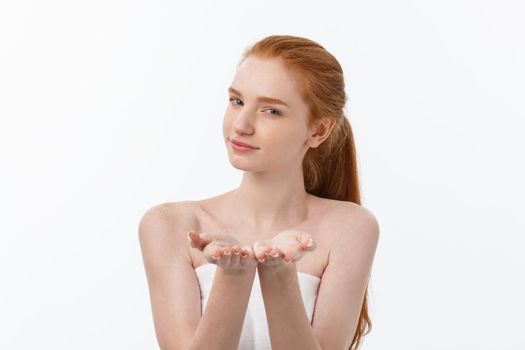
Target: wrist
(242, 271)
(277, 269)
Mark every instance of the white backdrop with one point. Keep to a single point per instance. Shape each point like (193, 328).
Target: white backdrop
(110, 107)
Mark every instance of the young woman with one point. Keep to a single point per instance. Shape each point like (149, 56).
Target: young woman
(283, 261)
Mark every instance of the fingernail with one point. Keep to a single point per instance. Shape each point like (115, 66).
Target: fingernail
(275, 255)
(189, 236)
(310, 243)
(261, 260)
(226, 252)
(236, 253)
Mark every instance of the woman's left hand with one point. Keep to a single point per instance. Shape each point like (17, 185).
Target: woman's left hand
(286, 247)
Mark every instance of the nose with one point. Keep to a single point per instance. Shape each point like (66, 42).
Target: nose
(243, 123)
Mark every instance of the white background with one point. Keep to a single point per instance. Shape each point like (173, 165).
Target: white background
(110, 107)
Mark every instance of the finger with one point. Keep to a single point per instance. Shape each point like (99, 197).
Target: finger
(268, 259)
(193, 238)
(311, 245)
(260, 258)
(274, 256)
(235, 257)
(248, 253)
(307, 243)
(244, 259)
(248, 257)
(260, 247)
(244, 255)
(276, 252)
(261, 251)
(260, 255)
(226, 257)
(287, 255)
(205, 238)
(213, 253)
(226, 250)
(197, 240)
(236, 250)
(303, 239)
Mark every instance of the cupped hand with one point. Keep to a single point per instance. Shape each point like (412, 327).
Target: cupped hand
(286, 247)
(223, 250)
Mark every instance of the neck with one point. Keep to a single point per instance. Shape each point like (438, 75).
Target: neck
(267, 200)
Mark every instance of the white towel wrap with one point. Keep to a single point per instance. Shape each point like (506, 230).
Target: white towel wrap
(255, 334)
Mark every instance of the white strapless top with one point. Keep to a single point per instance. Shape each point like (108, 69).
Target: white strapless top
(255, 334)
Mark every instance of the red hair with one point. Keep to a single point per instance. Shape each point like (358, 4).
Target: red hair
(330, 170)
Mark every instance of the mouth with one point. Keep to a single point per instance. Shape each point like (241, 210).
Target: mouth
(242, 145)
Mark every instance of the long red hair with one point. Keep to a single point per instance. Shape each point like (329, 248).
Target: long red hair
(330, 170)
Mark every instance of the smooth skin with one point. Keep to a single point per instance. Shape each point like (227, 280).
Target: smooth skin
(227, 252)
(271, 199)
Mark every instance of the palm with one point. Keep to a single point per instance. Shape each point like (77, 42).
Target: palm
(287, 246)
(222, 249)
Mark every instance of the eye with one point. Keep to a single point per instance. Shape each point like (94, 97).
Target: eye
(234, 99)
(276, 111)
(273, 109)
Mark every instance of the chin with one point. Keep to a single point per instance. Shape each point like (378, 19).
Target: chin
(246, 169)
(243, 164)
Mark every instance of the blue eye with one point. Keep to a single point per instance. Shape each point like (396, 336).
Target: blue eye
(272, 109)
(277, 112)
(234, 98)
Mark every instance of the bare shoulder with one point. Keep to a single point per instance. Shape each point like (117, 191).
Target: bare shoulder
(169, 213)
(169, 210)
(357, 217)
(356, 238)
(343, 212)
(350, 221)
(166, 225)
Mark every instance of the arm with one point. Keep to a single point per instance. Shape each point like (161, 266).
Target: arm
(341, 291)
(174, 289)
(288, 323)
(221, 324)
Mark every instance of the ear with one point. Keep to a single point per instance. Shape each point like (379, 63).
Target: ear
(320, 131)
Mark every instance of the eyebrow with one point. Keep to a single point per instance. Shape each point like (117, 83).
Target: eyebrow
(261, 98)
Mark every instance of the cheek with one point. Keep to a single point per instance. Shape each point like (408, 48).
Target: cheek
(226, 124)
(285, 143)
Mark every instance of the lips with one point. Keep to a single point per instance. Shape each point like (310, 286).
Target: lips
(239, 143)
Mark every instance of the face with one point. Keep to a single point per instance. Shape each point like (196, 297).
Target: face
(279, 131)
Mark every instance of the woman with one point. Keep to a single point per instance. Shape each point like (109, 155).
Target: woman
(295, 221)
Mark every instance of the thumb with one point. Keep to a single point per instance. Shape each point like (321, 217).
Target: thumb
(306, 241)
(206, 237)
(199, 240)
(311, 245)
(260, 248)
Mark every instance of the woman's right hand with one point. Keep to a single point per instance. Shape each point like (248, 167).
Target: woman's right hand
(224, 251)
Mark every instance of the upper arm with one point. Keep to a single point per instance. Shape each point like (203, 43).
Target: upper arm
(345, 280)
(173, 286)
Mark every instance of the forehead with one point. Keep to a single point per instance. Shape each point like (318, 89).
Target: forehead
(266, 77)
